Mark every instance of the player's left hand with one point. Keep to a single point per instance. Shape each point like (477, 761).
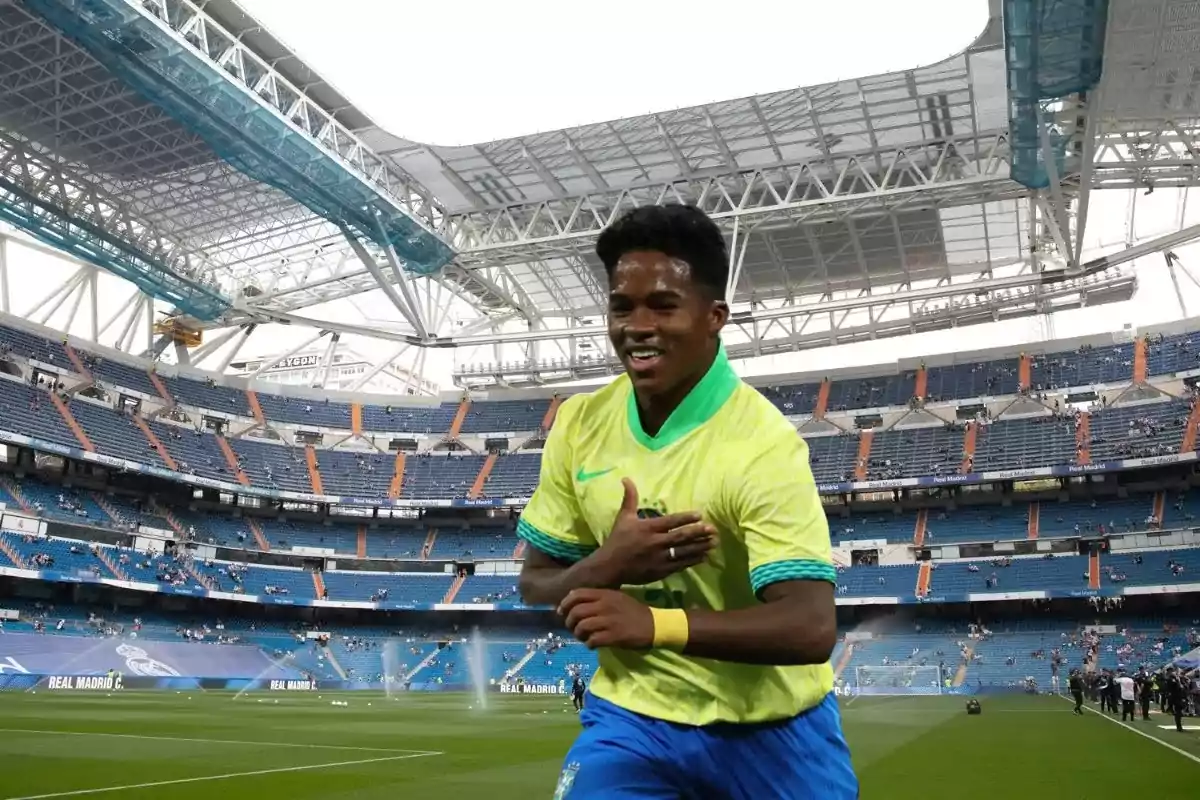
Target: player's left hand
(608, 618)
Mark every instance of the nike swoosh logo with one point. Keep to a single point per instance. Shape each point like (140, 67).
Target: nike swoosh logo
(583, 476)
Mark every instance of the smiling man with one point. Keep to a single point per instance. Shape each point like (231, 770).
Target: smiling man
(677, 528)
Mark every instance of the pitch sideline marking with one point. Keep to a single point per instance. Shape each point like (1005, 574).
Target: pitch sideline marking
(225, 776)
(302, 746)
(1128, 727)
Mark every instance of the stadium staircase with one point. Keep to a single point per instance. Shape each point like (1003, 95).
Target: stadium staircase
(318, 585)
(106, 559)
(519, 550)
(481, 479)
(970, 437)
(919, 528)
(161, 387)
(1094, 571)
(155, 442)
(422, 664)
(333, 662)
(1140, 361)
(1035, 515)
(360, 548)
(864, 454)
(200, 577)
(314, 470)
(515, 669)
(551, 413)
(1160, 506)
(924, 578)
(1083, 439)
(172, 521)
(356, 424)
(231, 460)
(13, 489)
(822, 400)
(12, 554)
(427, 548)
(1189, 432)
(255, 407)
(844, 660)
(77, 362)
(260, 538)
(397, 485)
(960, 676)
(69, 418)
(921, 385)
(1025, 373)
(452, 592)
(460, 417)
(108, 509)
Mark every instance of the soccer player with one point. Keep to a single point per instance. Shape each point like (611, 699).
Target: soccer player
(677, 528)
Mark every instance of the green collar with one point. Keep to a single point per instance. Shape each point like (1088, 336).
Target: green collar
(702, 402)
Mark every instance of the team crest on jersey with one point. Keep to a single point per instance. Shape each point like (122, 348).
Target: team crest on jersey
(566, 780)
(655, 509)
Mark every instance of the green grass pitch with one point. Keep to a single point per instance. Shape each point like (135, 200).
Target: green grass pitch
(278, 745)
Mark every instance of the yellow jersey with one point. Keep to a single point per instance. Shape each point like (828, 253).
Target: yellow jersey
(730, 455)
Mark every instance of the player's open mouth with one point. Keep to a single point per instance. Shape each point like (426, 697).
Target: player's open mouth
(643, 358)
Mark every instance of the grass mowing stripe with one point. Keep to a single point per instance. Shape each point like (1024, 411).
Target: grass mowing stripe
(226, 776)
(224, 741)
(1129, 727)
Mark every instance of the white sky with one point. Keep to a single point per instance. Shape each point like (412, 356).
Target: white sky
(463, 72)
(468, 71)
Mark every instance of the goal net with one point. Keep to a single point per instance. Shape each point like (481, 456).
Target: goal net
(898, 680)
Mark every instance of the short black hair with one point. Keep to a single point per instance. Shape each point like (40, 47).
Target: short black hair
(683, 232)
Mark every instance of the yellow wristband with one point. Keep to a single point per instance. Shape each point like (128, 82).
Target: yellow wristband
(670, 628)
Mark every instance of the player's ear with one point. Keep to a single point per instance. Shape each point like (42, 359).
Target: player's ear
(718, 316)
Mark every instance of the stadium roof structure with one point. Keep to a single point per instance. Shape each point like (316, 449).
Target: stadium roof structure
(181, 146)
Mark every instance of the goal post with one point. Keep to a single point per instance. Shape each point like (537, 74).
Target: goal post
(898, 680)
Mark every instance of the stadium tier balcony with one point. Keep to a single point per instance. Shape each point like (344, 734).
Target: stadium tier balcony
(392, 543)
(208, 395)
(428, 477)
(874, 581)
(833, 458)
(63, 503)
(114, 434)
(500, 416)
(1087, 366)
(916, 451)
(303, 412)
(1181, 509)
(1172, 354)
(292, 582)
(1150, 568)
(1025, 443)
(428, 420)
(554, 662)
(793, 399)
(976, 524)
(514, 475)
(122, 375)
(1138, 431)
(894, 527)
(1061, 573)
(30, 412)
(489, 589)
(417, 587)
(473, 543)
(286, 534)
(965, 381)
(356, 474)
(193, 451)
(274, 465)
(60, 555)
(1088, 518)
(892, 390)
(28, 345)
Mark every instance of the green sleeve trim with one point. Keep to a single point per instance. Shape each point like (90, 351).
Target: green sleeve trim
(799, 569)
(552, 545)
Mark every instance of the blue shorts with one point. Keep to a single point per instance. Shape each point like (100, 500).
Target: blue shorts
(621, 755)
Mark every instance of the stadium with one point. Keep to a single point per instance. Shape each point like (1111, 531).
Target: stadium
(276, 386)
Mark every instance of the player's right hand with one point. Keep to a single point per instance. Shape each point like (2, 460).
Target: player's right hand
(640, 550)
